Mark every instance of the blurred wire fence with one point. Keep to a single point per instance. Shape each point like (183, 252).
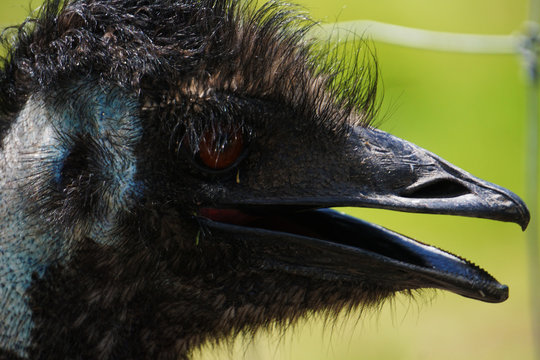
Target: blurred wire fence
(524, 44)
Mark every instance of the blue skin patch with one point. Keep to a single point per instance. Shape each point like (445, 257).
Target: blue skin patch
(111, 121)
(33, 156)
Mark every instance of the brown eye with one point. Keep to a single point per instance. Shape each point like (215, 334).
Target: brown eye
(221, 152)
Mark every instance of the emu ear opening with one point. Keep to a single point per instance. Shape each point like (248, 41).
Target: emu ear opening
(81, 159)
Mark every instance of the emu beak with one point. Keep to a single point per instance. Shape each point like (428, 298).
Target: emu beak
(405, 177)
(374, 169)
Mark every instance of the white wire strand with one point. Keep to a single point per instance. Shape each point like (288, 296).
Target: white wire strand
(419, 38)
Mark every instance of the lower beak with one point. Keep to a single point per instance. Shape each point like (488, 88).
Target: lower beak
(331, 246)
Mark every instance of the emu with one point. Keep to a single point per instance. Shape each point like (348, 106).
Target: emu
(166, 173)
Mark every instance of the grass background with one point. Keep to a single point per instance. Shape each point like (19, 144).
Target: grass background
(469, 109)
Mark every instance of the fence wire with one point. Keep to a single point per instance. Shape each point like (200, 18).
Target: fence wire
(421, 39)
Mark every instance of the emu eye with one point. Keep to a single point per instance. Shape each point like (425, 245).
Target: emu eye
(223, 150)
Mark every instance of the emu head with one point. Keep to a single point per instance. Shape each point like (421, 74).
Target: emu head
(166, 173)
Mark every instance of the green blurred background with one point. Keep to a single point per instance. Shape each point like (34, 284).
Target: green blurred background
(469, 109)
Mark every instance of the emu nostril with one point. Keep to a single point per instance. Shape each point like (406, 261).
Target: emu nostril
(436, 189)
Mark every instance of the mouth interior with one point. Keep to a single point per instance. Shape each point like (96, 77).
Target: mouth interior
(318, 225)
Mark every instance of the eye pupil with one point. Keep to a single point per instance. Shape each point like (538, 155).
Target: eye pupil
(220, 152)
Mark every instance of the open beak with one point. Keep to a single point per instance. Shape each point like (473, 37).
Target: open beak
(294, 232)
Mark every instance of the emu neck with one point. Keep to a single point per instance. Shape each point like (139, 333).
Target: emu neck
(33, 201)
(25, 248)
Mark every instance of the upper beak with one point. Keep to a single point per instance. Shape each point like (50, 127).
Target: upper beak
(376, 169)
(405, 177)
